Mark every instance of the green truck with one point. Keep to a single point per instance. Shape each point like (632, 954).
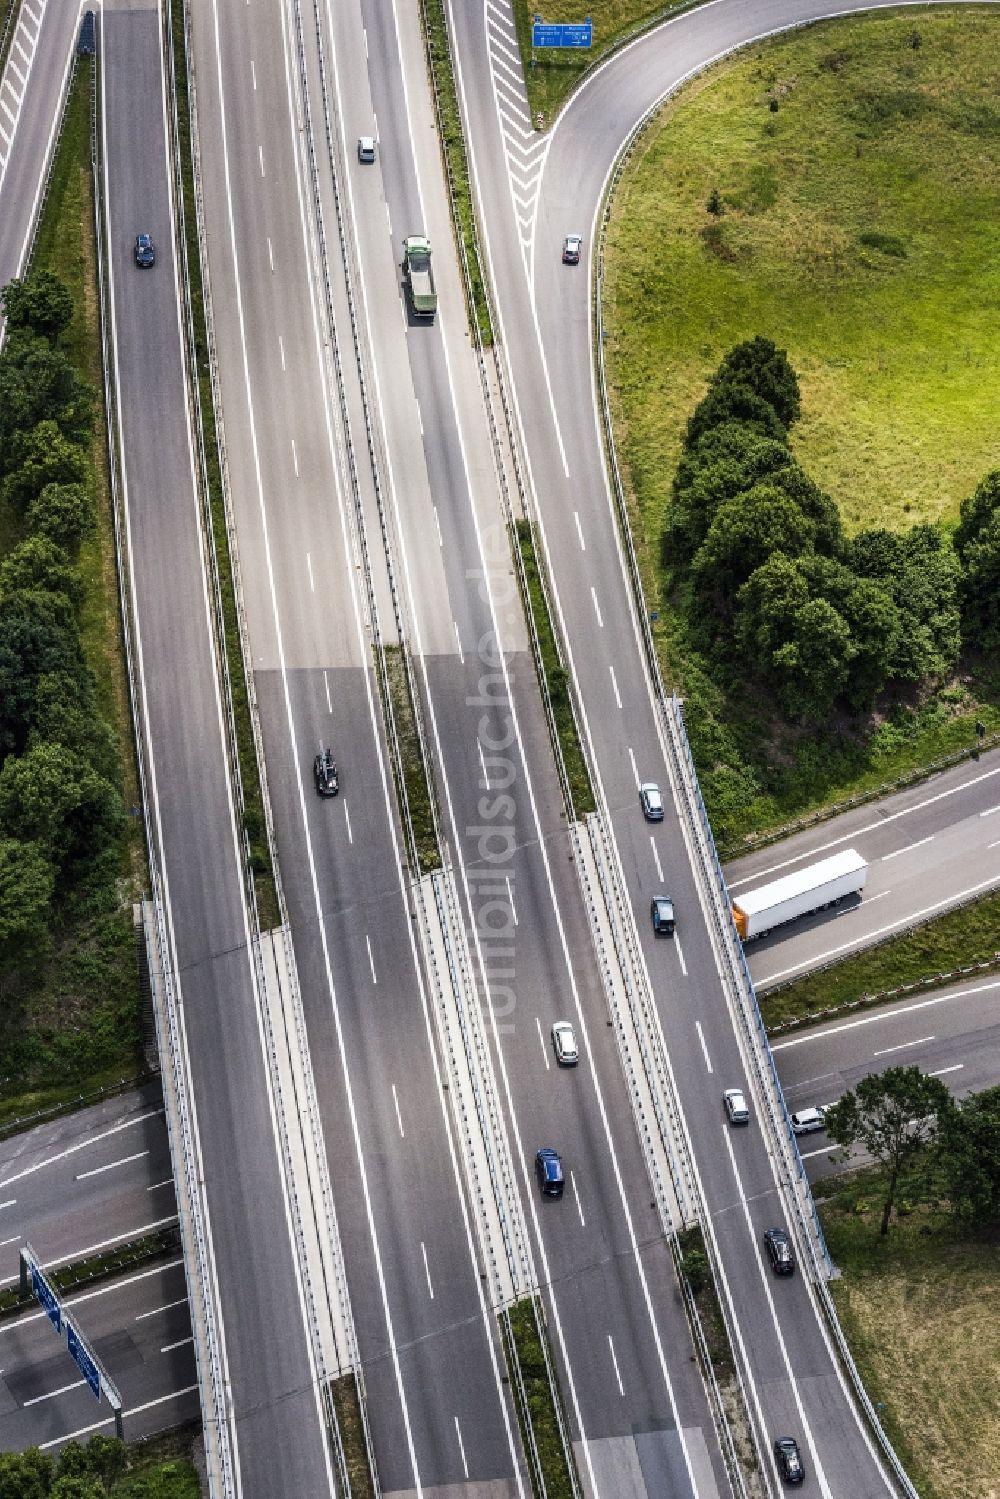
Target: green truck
(419, 276)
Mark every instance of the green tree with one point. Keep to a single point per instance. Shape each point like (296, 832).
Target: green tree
(873, 618)
(65, 712)
(817, 506)
(767, 370)
(38, 635)
(40, 563)
(40, 302)
(108, 1459)
(744, 533)
(42, 456)
(977, 542)
(892, 1115)
(921, 573)
(73, 1462)
(50, 797)
(969, 1152)
(27, 881)
(811, 668)
(25, 1475)
(977, 512)
(38, 382)
(64, 513)
(727, 460)
(733, 400)
(72, 1486)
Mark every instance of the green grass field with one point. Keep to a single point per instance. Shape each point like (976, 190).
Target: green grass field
(857, 167)
(921, 1313)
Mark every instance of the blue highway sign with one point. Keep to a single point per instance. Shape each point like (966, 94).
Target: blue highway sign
(86, 1364)
(567, 34)
(46, 1297)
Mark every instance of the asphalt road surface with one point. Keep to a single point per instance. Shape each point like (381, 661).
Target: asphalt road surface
(928, 848)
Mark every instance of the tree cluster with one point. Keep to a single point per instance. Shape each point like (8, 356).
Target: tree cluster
(59, 807)
(89, 1472)
(901, 1115)
(775, 593)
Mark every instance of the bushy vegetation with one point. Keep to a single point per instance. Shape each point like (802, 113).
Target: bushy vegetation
(67, 954)
(777, 599)
(104, 1469)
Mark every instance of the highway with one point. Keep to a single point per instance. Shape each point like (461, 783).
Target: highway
(544, 309)
(929, 848)
(138, 1326)
(86, 1180)
(188, 782)
(34, 80)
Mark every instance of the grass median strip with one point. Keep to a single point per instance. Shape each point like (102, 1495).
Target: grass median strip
(414, 795)
(347, 1404)
(449, 120)
(253, 796)
(536, 1412)
(556, 680)
(97, 1267)
(959, 939)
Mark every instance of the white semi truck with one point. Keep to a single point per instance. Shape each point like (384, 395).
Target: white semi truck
(796, 894)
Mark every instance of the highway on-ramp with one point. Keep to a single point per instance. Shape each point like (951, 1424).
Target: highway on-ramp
(929, 848)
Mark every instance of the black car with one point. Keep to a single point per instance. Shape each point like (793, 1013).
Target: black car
(145, 251)
(662, 912)
(325, 773)
(549, 1170)
(786, 1455)
(779, 1251)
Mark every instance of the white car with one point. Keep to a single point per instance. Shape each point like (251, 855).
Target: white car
(564, 1044)
(366, 148)
(807, 1121)
(736, 1106)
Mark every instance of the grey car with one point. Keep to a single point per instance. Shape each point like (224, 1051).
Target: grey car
(736, 1106)
(652, 801)
(564, 1044)
(662, 912)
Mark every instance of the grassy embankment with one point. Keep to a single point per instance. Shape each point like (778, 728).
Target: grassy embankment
(72, 1024)
(417, 799)
(860, 216)
(956, 940)
(920, 1310)
(528, 1353)
(453, 145)
(556, 681)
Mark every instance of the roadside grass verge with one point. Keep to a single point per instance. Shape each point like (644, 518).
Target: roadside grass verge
(449, 120)
(7, 19)
(97, 1267)
(352, 1434)
(957, 939)
(253, 797)
(824, 146)
(556, 681)
(527, 1331)
(161, 1467)
(72, 1023)
(556, 73)
(920, 1311)
(417, 799)
(23, 1110)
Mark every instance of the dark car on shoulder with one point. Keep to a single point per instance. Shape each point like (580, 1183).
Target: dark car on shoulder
(145, 252)
(789, 1460)
(779, 1251)
(325, 773)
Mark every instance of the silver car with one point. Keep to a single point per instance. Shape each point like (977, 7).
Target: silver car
(564, 1044)
(366, 148)
(652, 801)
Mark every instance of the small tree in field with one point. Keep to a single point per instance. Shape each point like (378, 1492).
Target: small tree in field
(892, 1115)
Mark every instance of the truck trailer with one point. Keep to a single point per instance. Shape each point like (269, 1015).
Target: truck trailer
(797, 894)
(419, 275)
